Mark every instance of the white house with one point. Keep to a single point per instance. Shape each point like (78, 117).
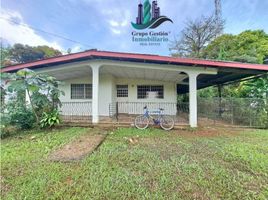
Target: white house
(99, 83)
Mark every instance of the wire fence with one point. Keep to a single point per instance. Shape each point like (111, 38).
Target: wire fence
(249, 112)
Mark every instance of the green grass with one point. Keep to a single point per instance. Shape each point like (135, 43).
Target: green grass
(162, 165)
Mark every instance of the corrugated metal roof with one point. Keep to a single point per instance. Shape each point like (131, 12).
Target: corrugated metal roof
(132, 57)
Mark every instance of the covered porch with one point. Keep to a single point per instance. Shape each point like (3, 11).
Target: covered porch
(116, 92)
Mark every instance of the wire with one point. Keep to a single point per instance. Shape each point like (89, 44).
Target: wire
(40, 30)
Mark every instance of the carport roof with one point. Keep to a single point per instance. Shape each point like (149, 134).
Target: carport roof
(227, 71)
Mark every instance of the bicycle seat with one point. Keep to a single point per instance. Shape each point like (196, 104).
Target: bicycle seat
(145, 107)
(161, 109)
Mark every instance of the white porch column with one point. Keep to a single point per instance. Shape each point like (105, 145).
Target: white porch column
(95, 93)
(193, 99)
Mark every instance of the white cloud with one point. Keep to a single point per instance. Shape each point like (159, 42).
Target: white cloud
(118, 20)
(20, 32)
(76, 49)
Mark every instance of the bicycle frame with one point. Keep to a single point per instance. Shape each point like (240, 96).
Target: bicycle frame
(159, 114)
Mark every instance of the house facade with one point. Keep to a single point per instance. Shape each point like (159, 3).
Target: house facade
(98, 84)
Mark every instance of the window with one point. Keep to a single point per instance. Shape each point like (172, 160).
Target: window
(81, 91)
(122, 90)
(143, 91)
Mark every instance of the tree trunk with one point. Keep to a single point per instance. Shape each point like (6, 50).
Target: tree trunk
(35, 114)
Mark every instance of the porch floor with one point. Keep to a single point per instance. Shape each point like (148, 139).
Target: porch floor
(123, 119)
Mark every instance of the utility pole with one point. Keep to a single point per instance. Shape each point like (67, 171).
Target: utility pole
(218, 10)
(218, 13)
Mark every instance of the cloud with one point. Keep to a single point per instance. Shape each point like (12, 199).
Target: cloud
(117, 20)
(115, 15)
(15, 30)
(76, 49)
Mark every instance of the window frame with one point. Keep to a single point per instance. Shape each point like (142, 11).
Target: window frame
(118, 95)
(85, 95)
(150, 88)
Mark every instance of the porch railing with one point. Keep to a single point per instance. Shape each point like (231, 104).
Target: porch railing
(127, 111)
(134, 108)
(76, 111)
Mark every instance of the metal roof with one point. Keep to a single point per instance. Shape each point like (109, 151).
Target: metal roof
(227, 71)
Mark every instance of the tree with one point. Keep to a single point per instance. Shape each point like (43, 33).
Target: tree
(48, 51)
(4, 56)
(196, 35)
(249, 46)
(20, 53)
(41, 89)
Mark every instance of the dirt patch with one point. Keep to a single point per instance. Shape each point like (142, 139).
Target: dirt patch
(77, 149)
(3, 186)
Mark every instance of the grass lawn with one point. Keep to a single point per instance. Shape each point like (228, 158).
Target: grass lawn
(204, 164)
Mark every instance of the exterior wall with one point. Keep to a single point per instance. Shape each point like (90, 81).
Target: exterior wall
(107, 95)
(170, 95)
(133, 105)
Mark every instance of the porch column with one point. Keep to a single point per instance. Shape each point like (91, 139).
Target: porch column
(193, 99)
(95, 94)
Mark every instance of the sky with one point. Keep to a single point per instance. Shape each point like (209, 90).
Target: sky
(106, 24)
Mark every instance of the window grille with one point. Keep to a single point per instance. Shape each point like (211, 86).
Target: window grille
(122, 90)
(143, 90)
(81, 91)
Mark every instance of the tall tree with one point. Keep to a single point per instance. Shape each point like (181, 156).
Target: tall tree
(196, 35)
(249, 46)
(20, 53)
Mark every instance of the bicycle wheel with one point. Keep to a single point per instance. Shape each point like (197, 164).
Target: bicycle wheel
(141, 122)
(167, 123)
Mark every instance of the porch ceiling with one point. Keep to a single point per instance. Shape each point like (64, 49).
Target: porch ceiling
(70, 73)
(148, 74)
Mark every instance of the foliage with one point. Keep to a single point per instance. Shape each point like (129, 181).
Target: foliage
(50, 119)
(250, 112)
(22, 117)
(7, 130)
(4, 56)
(43, 93)
(248, 46)
(2, 96)
(195, 36)
(20, 53)
(224, 164)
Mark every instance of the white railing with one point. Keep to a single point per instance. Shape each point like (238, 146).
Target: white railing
(138, 107)
(76, 109)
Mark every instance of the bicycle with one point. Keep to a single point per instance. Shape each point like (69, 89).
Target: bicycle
(165, 122)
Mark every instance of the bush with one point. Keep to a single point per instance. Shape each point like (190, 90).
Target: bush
(22, 118)
(50, 119)
(7, 130)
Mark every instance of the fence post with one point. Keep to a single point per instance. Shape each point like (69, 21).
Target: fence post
(116, 111)
(232, 104)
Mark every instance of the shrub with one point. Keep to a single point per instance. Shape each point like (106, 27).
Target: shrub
(50, 119)
(7, 130)
(22, 118)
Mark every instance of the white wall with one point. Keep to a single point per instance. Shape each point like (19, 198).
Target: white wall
(107, 92)
(170, 93)
(133, 105)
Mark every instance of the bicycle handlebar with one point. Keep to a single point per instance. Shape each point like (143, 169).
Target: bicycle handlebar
(146, 108)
